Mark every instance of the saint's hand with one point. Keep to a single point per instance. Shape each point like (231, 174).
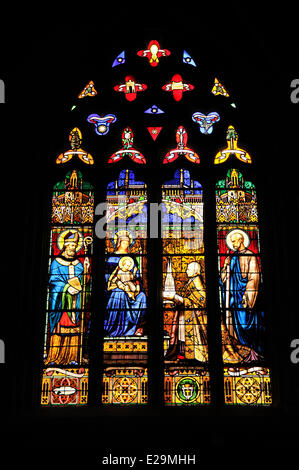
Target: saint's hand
(168, 295)
(226, 263)
(72, 290)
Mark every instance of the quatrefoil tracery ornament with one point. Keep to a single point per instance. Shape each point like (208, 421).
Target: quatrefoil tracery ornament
(153, 53)
(130, 88)
(206, 122)
(102, 124)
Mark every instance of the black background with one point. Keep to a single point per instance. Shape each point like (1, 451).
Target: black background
(44, 62)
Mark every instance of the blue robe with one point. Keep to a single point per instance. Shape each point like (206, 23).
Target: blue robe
(246, 321)
(123, 313)
(59, 299)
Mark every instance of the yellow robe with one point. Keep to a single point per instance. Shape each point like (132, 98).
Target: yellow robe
(193, 328)
(194, 320)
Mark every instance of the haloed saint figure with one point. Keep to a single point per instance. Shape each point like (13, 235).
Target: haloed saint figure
(67, 278)
(126, 299)
(239, 281)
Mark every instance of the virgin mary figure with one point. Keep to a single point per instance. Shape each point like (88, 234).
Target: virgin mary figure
(126, 305)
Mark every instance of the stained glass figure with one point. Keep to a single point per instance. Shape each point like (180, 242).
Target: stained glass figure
(75, 139)
(125, 319)
(154, 131)
(88, 90)
(187, 59)
(177, 87)
(186, 374)
(181, 148)
(153, 53)
(65, 375)
(232, 149)
(102, 124)
(65, 387)
(206, 122)
(120, 59)
(246, 375)
(127, 149)
(130, 88)
(218, 89)
(154, 110)
(124, 313)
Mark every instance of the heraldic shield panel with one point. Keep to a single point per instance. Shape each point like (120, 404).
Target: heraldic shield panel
(125, 314)
(66, 358)
(246, 375)
(186, 376)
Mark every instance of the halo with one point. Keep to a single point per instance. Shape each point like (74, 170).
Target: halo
(60, 239)
(122, 233)
(126, 258)
(241, 232)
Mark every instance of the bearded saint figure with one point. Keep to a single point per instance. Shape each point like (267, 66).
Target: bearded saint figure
(239, 281)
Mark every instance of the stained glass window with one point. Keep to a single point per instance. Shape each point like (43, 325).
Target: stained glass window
(184, 292)
(162, 146)
(66, 356)
(246, 375)
(126, 289)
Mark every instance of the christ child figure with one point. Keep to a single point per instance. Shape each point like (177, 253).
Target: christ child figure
(125, 277)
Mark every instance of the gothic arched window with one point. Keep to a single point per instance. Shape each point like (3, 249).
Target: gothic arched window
(66, 358)
(148, 272)
(246, 375)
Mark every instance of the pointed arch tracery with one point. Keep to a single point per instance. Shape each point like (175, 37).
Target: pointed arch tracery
(124, 311)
